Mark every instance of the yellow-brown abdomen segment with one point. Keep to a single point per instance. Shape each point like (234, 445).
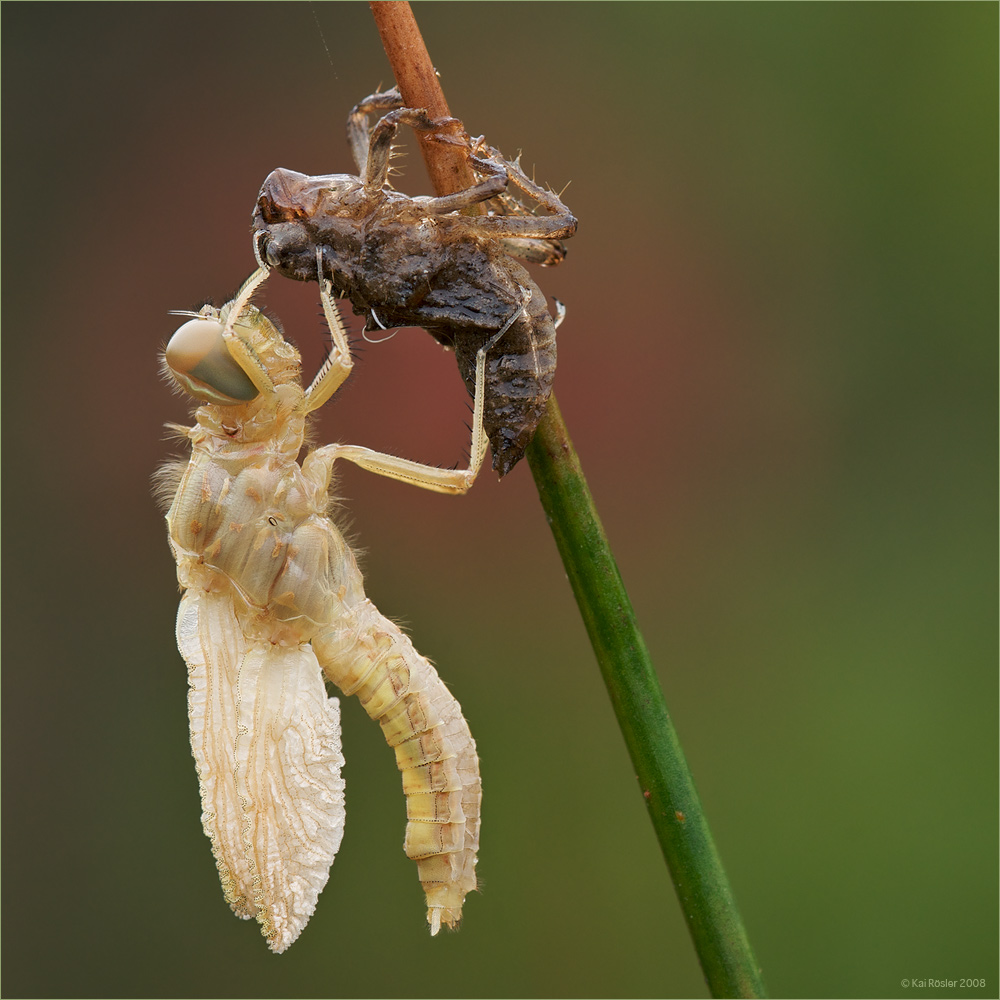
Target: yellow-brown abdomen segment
(369, 656)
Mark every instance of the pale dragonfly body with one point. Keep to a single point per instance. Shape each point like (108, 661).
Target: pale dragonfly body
(273, 601)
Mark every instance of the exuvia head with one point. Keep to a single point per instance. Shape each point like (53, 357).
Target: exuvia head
(289, 196)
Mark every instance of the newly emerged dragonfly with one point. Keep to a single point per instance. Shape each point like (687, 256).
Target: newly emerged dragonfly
(405, 261)
(273, 601)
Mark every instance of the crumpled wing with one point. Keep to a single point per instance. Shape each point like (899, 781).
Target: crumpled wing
(266, 741)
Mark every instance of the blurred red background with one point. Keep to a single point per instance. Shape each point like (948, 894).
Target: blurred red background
(778, 367)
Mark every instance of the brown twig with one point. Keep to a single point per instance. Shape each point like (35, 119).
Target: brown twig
(418, 83)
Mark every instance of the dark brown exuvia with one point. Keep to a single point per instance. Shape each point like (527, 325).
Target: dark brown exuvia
(405, 261)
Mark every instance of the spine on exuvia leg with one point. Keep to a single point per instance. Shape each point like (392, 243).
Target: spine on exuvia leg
(367, 655)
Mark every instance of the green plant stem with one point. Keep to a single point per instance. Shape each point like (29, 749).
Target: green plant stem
(667, 786)
(719, 937)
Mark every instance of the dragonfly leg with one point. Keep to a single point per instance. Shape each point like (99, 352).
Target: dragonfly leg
(319, 463)
(338, 364)
(242, 354)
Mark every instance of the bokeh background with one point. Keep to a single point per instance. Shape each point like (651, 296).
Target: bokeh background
(779, 371)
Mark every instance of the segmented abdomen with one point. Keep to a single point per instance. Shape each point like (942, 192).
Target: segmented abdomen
(368, 655)
(520, 371)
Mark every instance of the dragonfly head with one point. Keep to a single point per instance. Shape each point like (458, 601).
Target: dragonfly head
(198, 360)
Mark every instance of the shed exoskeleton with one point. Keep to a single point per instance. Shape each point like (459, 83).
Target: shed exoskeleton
(405, 261)
(273, 601)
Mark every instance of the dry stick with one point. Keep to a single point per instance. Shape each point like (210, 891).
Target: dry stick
(719, 937)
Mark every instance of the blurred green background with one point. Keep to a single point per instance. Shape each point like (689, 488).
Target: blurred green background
(779, 370)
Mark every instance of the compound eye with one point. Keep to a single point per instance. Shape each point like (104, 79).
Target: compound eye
(199, 360)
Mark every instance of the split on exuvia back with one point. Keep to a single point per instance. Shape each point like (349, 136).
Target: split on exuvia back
(405, 261)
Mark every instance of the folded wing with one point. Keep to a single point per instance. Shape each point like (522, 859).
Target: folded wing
(266, 741)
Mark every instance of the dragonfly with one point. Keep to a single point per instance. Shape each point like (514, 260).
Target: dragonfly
(273, 605)
(423, 262)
